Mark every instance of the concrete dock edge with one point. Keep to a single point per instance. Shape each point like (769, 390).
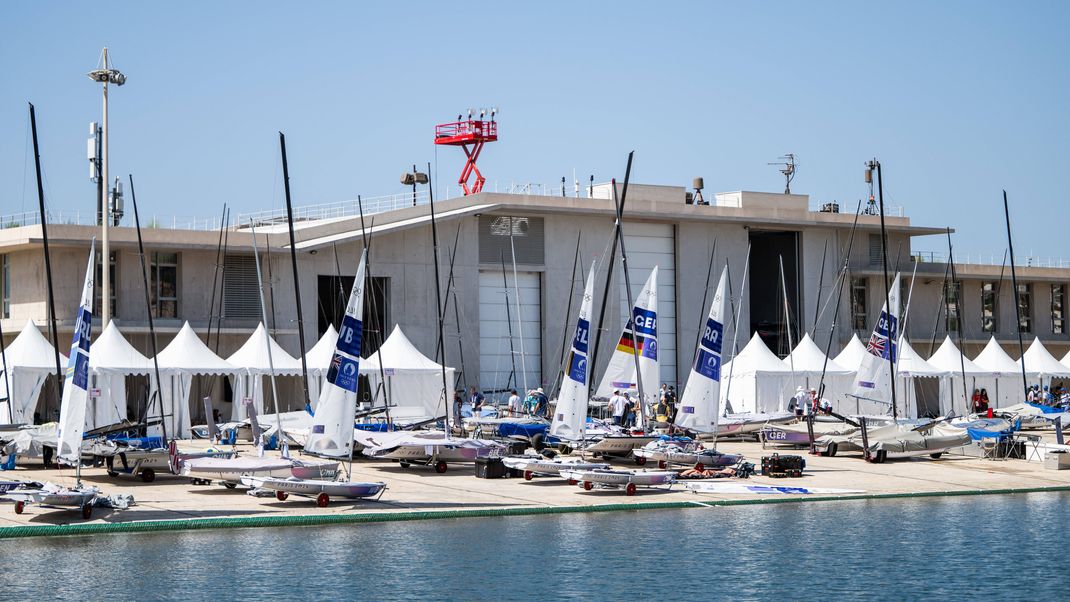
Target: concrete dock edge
(382, 517)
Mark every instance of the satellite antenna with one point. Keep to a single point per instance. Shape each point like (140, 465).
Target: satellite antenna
(787, 167)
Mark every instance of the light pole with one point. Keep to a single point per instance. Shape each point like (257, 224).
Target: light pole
(105, 75)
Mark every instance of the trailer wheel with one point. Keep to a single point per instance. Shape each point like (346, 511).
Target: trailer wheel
(830, 451)
(440, 468)
(20, 507)
(880, 457)
(630, 489)
(662, 464)
(936, 456)
(87, 511)
(528, 475)
(587, 485)
(640, 461)
(229, 485)
(404, 464)
(572, 481)
(281, 495)
(538, 442)
(148, 475)
(322, 500)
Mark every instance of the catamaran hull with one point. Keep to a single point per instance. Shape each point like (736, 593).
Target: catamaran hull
(688, 458)
(316, 487)
(619, 445)
(545, 467)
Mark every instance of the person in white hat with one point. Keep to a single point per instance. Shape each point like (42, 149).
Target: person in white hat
(799, 401)
(542, 404)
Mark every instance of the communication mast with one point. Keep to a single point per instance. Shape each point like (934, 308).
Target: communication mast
(787, 167)
(469, 134)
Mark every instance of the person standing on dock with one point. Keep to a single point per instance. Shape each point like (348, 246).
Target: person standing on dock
(617, 405)
(515, 407)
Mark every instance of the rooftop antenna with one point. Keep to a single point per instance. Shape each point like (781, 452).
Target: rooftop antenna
(788, 169)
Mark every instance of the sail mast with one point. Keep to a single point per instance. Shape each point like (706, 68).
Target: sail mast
(148, 308)
(787, 319)
(375, 313)
(618, 209)
(892, 336)
(1014, 285)
(438, 302)
(568, 312)
(48, 255)
(509, 326)
(297, 279)
(735, 328)
(519, 316)
(267, 339)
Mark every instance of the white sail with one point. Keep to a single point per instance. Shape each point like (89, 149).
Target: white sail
(874, 380)
(332, 426)
(620, 373)
(700, 402)
(570, 417)
(76, 393)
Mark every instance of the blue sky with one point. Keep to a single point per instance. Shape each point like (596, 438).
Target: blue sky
(957, 99)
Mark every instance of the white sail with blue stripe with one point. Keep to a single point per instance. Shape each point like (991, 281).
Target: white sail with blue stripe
(570, 417)
(700, 402)
(76, 393)
(331, 434)
(620, 373)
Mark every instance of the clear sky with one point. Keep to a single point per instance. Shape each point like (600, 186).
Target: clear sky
(958, 100)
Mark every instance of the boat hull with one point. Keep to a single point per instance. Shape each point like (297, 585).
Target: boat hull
(620, 478)
(619, 445)
(315, 487)
(547, 467)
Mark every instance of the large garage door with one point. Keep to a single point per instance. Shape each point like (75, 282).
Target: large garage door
(501, 363)
(649, 245)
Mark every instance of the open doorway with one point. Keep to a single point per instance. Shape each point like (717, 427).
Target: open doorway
(333, 294)
(767, 317)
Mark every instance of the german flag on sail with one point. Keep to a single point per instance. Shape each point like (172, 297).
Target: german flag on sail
(647, 345)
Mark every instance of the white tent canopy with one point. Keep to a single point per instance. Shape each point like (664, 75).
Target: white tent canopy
(1039, 361)
(852, 354)
(183, 358)
(30, 359)
(413, 380)
(254, 365)
(949, 358)
(318, 360)
(1010, 389)
(111, 359)
(808, 361)
(908, 368)
(760, 381)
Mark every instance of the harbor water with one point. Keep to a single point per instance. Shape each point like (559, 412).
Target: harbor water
(975, 547)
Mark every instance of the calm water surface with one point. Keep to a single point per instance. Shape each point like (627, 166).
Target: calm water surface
(988, 547)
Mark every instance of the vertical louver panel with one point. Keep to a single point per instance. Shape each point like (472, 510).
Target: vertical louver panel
(241, 298)
(500, 234)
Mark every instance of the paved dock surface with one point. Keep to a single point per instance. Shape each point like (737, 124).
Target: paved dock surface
(420, 490)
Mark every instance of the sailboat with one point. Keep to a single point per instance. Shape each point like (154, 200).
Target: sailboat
(700, 402)
(570, 416)
(333, 424)
(72, 416)
(633, 367)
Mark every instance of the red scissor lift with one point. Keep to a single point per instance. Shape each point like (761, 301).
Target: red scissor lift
(470, 135)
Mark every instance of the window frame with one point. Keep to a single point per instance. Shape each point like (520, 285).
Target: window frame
(1025, 310)
(859, 283)
(989, 297)
(156, 284)
(5, 286)
(1058, 322)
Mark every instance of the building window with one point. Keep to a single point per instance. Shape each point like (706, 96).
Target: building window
(241, 289)
(163, 289)
(98, 287)
(5, 286)
(1058, 326)
(988, 306)
(951, 303)
(1025, 308)
(858, 303)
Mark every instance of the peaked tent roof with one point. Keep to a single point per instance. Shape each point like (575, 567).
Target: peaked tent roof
(755, 358)
(31, 350)
(111, 351)
(1039, 361)
(994, 359)
(852, 354)
(187, 353)
(948, 357)
(909, 363)
(252, 356)
(808, 357)
(400, 354)
(319, 357)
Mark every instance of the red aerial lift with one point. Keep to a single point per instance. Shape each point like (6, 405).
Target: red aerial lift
(469, 134)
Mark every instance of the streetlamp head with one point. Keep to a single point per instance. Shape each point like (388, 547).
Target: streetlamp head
(409, 178)
(111, 76)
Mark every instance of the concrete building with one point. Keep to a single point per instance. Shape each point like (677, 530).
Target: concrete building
(480, 235)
